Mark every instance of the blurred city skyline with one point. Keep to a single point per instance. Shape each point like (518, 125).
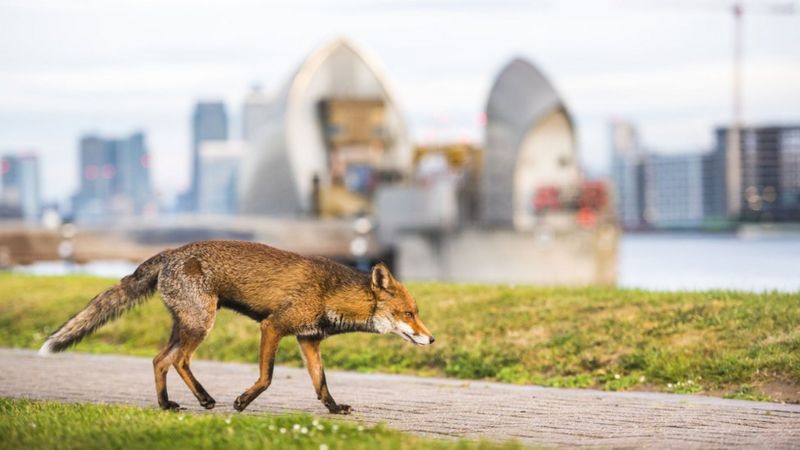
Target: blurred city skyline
(114, 68)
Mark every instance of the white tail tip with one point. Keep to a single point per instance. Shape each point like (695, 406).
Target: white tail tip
(46, 348)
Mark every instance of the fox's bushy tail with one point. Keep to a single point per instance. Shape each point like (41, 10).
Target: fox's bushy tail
(108, 305)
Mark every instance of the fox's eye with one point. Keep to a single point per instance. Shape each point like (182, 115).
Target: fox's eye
(409, 314)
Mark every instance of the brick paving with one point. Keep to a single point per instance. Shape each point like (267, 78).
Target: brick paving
(426, 406)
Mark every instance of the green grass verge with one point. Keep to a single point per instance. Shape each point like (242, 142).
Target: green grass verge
(36, 425)
(724, 343)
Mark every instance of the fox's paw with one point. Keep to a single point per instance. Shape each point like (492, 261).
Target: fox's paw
(340, 409)
(208, 403)
(241, 403)
(170, 406)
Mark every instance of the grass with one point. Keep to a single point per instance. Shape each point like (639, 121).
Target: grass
(733, 344)
(34, 425)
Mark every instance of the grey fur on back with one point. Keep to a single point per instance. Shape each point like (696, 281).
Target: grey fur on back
(108, 305)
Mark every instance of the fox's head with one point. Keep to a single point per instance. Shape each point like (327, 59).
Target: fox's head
(396, 311)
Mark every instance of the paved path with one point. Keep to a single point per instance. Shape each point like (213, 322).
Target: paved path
(553, 417)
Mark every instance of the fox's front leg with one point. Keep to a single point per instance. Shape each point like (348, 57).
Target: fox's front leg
(270, 338)
(310, 349)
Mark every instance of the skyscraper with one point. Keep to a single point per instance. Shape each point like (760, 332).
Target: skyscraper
(715, 190)
(20, 180)
(219, 164)
(628, 175)
(209, 123)
(133, 162)
(674, 190)
(684, 190)
(115, 177)
(770, 171)
(255, 115)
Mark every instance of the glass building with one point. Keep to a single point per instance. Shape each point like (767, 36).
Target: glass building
(20, 180)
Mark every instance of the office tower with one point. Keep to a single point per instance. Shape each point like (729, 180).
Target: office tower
(255, 115)
(115, 177)
(20, 180)
(219, 164)
(628, 175)
(133, 164)
(674, 190)
(209, 123)
(770, 171)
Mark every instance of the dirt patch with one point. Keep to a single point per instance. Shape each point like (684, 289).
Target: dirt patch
(689, 339)
(781, 391)
(532, 335)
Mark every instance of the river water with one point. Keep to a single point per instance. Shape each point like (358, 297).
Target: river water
(662, 261)
(676, 261)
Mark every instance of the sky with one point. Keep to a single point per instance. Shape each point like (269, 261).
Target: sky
(115, 66)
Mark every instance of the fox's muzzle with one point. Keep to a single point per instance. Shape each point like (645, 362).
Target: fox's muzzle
(408, 333)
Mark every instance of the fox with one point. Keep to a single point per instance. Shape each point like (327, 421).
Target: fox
(288, 294)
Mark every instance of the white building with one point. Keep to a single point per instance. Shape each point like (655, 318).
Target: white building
(530, 144)
(336, 121)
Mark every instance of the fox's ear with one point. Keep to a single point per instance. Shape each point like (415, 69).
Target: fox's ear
(381, 277)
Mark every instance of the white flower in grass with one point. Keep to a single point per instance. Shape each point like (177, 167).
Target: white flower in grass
(616, 376)
(296, 427)
(335, 428)
(283, 430)
(304, 430)
(669, 385)
(272, 428)
(360, 428)
(228, 420)
(315, 422)
(323, 446)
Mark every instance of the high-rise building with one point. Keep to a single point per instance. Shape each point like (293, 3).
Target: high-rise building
(628, 175)
(115, 177)
(133, 163)
(219, 164)
(691, 189)
(255, 115)
(715, 195)
(684, 190)
(20, 180)
(98, 164)
(770, 171)
(209, 123)
(674, 190)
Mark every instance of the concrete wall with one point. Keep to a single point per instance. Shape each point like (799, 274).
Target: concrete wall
(566, 257)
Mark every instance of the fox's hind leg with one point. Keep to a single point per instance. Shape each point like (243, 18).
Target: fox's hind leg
(194, 321)
(193, 316)
(311, 353)
(161, 364)
(270, 338)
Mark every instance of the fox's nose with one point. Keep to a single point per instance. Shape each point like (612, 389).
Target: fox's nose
(432, 340)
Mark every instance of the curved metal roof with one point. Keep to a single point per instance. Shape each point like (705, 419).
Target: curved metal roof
(276, 175)
(520, 98)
